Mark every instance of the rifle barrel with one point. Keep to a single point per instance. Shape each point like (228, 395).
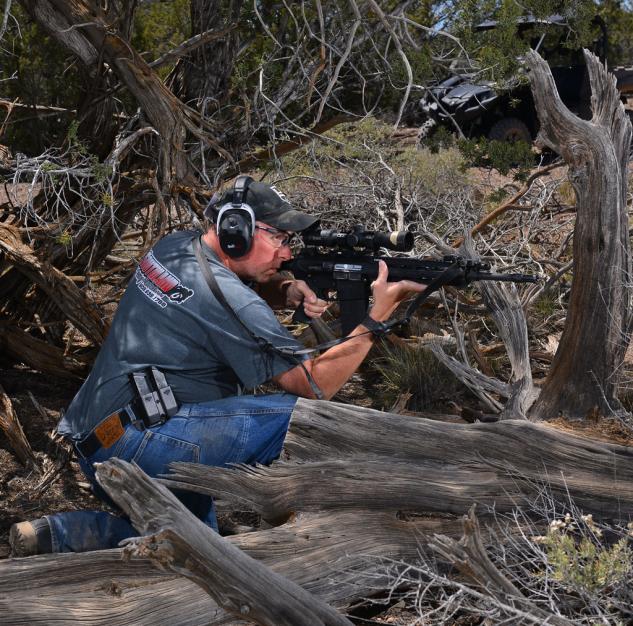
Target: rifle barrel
(508, 278)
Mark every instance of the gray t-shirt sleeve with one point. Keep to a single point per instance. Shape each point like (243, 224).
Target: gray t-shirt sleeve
(252, 364)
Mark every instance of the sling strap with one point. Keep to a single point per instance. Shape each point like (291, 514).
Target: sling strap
(377, 329)
(262, 343)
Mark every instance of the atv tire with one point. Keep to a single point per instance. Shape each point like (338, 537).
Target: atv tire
(510, 129)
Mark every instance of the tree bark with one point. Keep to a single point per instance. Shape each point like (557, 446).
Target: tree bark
(337, 557)
(363, 521)
(180, 542)
(584, 374)
(505, 307)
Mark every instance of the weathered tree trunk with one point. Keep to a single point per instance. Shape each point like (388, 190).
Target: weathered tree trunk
(182, 543)
(337, 557)
(38, 354)
(395, 465)
(584, 374)
(505, 307)
(410, 464)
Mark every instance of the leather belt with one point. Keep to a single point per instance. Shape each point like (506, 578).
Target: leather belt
(107, 432)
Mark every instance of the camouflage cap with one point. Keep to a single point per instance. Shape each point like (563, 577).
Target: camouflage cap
(269, 205)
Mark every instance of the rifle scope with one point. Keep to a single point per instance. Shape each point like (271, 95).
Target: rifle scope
(358, 237)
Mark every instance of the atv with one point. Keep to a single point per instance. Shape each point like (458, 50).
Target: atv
(480, 108)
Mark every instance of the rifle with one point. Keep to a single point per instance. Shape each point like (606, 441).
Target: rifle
(348, 263)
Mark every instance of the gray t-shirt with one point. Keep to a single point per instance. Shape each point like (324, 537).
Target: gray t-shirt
(169, 318)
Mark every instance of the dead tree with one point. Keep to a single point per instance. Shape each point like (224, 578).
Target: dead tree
(584, 373)
(500, 465)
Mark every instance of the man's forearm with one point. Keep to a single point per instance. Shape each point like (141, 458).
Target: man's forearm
(332, 369)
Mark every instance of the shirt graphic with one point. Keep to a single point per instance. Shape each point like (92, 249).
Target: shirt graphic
(158, 283)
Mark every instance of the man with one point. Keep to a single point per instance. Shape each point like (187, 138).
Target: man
(177, 335)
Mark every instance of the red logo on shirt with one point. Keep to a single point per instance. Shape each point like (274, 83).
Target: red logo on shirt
(158, 283)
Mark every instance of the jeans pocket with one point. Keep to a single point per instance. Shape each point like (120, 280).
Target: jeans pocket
(157, 451)
(124, 449)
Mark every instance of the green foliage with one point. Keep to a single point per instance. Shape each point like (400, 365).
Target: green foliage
(434, 171)
(36, 70)
(440, 138)
(579, 560)
(496, 196)
(500, 155)
(64, 239)
(497, 50)
(619, 21)
(365, 143)
(159, 27)
(545, 306)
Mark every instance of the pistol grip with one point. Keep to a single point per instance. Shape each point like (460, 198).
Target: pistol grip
(299, 316)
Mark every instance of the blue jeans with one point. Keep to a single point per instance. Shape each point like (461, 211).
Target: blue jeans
(241, 429)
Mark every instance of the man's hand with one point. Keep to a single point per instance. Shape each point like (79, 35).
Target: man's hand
(298, 293)
(387, 296)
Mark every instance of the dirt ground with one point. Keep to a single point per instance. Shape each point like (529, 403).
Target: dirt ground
(21, 494)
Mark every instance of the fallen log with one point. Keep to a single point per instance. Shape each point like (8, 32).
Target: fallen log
(321, 430)
(383, 484)
(337, 557)
(180, 542)
(40, 355)
(414, 464)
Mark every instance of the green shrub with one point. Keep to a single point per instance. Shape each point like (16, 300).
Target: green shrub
(500, 155)
(414, 370)
(579, 560)
(545, 305)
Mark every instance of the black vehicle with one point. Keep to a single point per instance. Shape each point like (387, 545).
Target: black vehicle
(480, 109)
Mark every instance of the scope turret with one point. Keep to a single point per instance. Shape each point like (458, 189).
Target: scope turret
(358, 237)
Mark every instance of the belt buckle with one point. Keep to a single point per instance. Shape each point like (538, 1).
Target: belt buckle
(110, 430)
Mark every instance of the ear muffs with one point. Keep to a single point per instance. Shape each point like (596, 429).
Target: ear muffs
(235, 221)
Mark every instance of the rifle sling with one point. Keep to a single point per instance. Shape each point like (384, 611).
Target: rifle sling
(444, 278)
(262, 343)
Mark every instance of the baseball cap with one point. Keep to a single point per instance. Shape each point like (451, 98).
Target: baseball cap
(269, 205)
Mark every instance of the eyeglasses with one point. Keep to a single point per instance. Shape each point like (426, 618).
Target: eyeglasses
(279, 238)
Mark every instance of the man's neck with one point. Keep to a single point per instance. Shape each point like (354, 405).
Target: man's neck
(211, 239)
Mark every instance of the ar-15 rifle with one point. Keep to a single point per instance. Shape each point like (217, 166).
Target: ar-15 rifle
(347, 263)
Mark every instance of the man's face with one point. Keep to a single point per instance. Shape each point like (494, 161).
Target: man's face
(269, 250)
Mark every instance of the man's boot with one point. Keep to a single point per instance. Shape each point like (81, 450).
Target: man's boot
(29, 538)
